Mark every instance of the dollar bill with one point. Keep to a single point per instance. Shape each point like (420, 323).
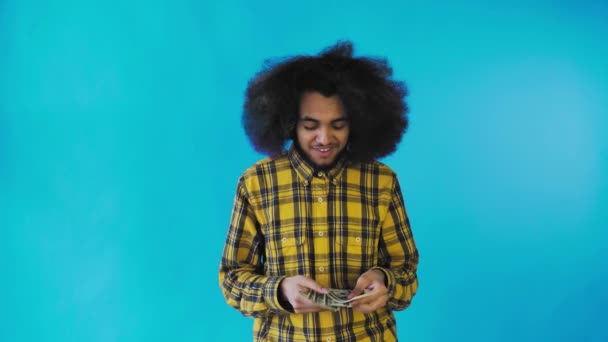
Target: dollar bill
(334, 299)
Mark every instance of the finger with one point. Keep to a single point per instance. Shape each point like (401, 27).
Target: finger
(358, 290)
(312, 285)
(365, 300)
(362, 284)
(367, 293)
(379, 301)
(364, 308)
(367, 306)
(371, 297)
(375, 289)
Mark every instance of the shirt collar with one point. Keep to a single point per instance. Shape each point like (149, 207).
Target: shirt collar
(306, 171)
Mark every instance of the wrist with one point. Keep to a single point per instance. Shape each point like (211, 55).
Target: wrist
(381, 275)
(283, 301)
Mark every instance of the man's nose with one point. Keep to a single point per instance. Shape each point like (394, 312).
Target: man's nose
(323, 136)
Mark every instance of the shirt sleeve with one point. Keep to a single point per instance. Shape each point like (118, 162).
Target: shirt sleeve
(241, 275)
(398, 255)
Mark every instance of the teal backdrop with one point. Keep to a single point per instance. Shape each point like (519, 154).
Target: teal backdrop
(121, 145)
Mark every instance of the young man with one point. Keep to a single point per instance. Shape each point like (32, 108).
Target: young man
(324, 214)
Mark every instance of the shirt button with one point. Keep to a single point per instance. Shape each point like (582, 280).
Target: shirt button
(305, 182)
(358, 239)
(284, 240)
(320, 199)
(320, 174)
(320, 233)
(321, 268)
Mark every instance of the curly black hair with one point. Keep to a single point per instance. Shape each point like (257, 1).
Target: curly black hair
(374, 103)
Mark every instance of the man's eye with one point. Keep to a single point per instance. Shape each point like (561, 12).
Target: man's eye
(339, 125)
(310, 128)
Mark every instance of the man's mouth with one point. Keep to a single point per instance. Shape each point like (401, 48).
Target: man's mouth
(323, 148)
(323, 151)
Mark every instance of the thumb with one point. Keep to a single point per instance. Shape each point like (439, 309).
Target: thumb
(359, 288)
(363, 283)
(313, 285)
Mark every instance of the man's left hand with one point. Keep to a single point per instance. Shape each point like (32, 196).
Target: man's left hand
(370, 281)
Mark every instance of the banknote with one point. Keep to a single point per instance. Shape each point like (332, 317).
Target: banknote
(334, 299)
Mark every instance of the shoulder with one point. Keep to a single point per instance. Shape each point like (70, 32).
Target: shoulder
(374, 176)
(266, 165)
(374, 168)
(264, 172)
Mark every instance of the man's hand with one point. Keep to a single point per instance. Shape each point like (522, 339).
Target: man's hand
(370, 281)
(291, 287)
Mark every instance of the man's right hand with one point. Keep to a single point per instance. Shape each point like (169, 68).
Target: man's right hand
(291, 287)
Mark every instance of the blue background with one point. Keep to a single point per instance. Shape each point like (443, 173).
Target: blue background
(121, 144)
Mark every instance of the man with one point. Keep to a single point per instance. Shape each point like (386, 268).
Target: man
(324, 214)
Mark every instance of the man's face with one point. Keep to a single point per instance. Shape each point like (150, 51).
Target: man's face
(322, 129)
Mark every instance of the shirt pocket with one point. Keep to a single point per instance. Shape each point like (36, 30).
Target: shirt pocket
(285, 250)
(358, 246)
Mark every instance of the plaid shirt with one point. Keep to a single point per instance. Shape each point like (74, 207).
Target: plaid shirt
(332, 227)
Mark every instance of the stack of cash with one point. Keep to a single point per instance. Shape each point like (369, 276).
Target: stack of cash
(333, 300)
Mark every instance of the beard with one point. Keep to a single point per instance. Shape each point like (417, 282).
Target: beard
(317, 167)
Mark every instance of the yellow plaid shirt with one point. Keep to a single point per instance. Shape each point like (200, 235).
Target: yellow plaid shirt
(332, 227)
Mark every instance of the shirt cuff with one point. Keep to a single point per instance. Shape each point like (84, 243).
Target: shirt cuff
(389, 280)
(272, 295)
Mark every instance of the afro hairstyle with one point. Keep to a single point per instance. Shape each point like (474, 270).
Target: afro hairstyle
(374, 102)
